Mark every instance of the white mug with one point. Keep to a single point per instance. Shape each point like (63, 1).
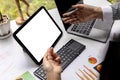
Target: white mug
(5, 27)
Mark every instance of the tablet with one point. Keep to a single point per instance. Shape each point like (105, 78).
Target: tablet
(37, 34)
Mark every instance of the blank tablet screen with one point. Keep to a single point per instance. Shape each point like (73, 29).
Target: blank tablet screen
(39, 34)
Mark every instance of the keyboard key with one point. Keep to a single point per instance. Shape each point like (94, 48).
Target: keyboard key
(83, 28)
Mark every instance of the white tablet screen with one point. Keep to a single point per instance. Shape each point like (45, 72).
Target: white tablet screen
(39, 34)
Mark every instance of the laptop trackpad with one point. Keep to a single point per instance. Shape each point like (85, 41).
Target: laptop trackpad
(99, 34)
(103, 25)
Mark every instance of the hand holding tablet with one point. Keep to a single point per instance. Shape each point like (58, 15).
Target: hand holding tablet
(37, 34)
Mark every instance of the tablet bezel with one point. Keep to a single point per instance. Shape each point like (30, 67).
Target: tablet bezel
(30, 18)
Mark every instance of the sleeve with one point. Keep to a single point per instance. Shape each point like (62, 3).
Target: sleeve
(107, 13)
(116, 11)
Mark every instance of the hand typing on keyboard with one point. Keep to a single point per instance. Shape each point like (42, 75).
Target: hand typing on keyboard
(52, 65)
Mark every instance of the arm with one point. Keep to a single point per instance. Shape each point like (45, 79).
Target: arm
(52, 65)
(87, 12)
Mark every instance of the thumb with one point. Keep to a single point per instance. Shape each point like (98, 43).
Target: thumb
(48, 53)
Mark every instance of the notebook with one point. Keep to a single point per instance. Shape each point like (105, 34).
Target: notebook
(95, 29)
(25, 76)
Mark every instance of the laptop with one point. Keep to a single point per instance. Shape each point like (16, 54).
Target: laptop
(95, 29)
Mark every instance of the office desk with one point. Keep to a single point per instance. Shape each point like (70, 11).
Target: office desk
(14, 62)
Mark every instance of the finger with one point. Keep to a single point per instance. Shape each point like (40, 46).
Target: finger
(58, 59)
(45, 59)
(70, 20)
(55, 55)
(52, 55)
(46, 54)
(80, 6)
(49, 57)
(75, 22)
(67, 14)
(66, 18)
(50, 51)
(70, 17)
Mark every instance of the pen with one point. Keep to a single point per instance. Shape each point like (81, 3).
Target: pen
(79, 76)
(91, 71)
(84, 75)
(71, 11)
(89, 74)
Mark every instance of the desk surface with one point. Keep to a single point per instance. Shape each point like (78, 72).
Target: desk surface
(14, 62)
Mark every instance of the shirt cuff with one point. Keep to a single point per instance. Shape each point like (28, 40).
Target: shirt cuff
(107, 13)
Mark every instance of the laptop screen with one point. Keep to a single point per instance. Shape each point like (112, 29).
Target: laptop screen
(64, 5)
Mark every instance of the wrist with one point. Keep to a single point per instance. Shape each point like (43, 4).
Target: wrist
(98, 12)
(53, 76)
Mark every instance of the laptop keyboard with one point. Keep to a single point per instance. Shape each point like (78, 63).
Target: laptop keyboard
(83, 28)
(68, 53)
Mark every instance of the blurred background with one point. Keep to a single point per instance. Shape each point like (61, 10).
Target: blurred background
(9, 7)
(114, 1)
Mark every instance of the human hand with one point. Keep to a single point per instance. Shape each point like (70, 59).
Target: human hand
(83, 13)
(52, 62)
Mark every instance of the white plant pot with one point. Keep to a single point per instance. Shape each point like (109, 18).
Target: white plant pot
(5, 30)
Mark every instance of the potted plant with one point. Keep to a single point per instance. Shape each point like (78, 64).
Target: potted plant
(4, 26)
